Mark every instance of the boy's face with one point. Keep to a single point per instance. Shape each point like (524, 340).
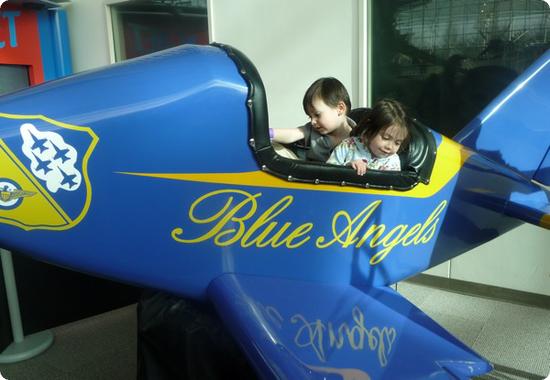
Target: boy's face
(326, 119)
(387, 141)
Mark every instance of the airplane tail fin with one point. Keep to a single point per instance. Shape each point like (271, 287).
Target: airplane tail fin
(514, 129)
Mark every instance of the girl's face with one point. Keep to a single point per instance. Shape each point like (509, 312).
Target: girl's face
(387, 141)
(326, 119)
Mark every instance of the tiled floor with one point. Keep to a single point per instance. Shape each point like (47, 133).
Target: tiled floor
(515, 338)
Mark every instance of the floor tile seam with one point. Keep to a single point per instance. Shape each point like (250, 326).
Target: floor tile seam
(485, 326)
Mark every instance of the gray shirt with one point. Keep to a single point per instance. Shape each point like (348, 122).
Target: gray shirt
(320, 146)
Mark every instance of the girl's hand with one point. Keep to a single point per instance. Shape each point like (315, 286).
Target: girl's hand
(360, 166)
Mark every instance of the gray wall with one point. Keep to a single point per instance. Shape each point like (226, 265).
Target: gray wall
(291, 43)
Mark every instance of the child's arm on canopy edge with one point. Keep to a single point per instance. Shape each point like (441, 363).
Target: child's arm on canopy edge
(342, 155)
(286, 135)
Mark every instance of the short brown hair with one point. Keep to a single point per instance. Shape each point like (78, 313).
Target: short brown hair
(330, 90)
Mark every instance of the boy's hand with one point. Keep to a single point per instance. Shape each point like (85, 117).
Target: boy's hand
(360, 166)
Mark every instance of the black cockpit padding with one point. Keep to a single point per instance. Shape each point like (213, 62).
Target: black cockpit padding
(417, 161)
(419, 157)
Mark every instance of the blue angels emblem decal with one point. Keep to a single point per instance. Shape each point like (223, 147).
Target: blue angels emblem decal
(44, 181)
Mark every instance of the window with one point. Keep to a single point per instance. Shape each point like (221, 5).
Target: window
(447, 59)
(13, 77)
(143, 27)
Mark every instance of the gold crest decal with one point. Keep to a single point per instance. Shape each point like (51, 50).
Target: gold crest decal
(44, 181)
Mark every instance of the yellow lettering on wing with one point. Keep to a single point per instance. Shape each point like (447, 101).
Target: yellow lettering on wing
(348, 235)
(233, 217)
(262, 232)
(377, 234)
(226, 214)
(277, 239)
(427, 231)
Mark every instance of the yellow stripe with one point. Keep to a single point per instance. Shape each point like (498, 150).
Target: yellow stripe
(449, 160)
(545, 221)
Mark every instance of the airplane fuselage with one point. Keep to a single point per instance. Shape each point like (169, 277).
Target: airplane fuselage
(157, 185)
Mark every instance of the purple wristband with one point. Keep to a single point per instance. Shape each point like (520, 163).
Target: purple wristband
(271, 133)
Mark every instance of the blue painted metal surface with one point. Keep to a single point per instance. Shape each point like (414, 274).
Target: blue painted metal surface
(513, 129)
(543, 173)
(54, 43)
(381, 333)
(142, 172)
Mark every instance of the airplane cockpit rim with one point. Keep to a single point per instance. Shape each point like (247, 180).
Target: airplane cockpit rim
(418, 169)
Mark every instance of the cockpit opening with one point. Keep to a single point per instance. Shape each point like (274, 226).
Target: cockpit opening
(417, 160)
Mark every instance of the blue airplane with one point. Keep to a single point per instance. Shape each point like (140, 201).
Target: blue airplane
(38, 143)
(60, 154)
(43, 165)
(67, 178)
(295, 256)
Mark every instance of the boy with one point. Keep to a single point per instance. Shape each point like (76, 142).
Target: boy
(327, 104)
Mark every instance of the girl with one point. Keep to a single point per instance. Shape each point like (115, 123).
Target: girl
(376, 141)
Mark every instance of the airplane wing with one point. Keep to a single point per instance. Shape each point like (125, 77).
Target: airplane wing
(302, 330)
